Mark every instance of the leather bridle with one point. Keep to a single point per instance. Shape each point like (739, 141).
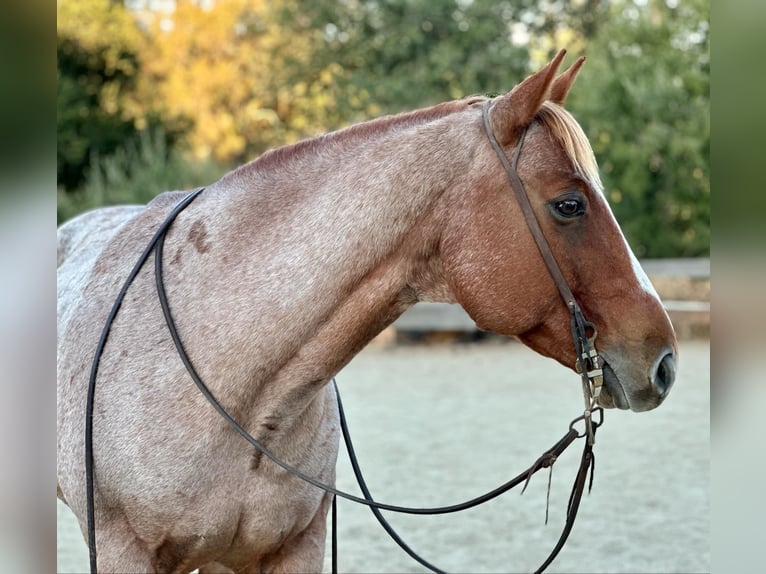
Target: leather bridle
(588, 364)
(587, 360)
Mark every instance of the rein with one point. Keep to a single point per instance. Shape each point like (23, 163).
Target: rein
(588, 365)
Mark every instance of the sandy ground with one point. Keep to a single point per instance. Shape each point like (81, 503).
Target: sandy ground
(439, 425)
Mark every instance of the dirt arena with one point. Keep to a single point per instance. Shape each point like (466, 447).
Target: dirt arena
(437, 425)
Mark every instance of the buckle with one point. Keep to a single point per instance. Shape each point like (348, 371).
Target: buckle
(594, 371)
(590, 425)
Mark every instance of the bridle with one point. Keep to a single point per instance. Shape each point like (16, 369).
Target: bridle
(588, 362)
(588, 365)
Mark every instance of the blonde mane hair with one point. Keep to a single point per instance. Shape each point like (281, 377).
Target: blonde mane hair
(559, 122)
(568, 133)
(359, 132)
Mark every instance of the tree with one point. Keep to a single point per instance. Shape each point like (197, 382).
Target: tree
(237, 71)
(229, 79)
(404, 54)
(643, 98)
(98, 44)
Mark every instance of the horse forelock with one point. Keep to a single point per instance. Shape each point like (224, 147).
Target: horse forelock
(357, 133)
(568, 133)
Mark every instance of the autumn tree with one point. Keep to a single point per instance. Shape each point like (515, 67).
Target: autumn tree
(97, 55)
(237, 71)
(233, 78)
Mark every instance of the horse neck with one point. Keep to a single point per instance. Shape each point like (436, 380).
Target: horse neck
(317, 257)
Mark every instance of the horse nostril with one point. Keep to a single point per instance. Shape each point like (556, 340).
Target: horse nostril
(665, 374)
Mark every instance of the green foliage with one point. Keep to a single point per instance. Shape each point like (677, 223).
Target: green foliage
(83, 126)
(248, 75)
(98, 61)
(91, 119)
(135, 173)
(643, 99)
(404, 54)
(93, 73)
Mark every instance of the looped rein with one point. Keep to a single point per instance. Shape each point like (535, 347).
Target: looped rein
(588, 364)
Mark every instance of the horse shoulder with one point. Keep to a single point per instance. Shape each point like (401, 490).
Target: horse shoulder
(81, 241)
(91, 230)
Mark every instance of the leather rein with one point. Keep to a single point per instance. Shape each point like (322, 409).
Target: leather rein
(588, 365)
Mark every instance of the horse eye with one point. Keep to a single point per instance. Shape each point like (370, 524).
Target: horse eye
(570, 207)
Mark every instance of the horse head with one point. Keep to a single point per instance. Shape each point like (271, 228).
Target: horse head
(495, 270)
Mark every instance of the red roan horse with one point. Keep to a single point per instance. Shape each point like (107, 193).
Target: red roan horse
(279, 273)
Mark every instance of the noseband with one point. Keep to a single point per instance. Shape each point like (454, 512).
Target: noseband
(588, 365)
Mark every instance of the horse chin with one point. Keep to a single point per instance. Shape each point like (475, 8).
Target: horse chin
(612, 394)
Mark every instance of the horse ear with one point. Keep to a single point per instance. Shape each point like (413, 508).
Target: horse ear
(516, 109)
(564, 81)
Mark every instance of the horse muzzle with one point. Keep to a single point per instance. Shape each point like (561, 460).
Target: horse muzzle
(625, 388)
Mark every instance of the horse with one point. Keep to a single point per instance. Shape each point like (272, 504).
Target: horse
(284, 269)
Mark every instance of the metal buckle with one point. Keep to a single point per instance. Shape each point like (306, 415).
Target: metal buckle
(590, 424)
(594, 370)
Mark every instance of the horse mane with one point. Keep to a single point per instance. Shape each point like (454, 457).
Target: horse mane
(559, 122)
(358, 132)
(568, 133)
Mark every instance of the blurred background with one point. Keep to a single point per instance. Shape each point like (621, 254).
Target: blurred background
(161, 94)
(154, 95)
